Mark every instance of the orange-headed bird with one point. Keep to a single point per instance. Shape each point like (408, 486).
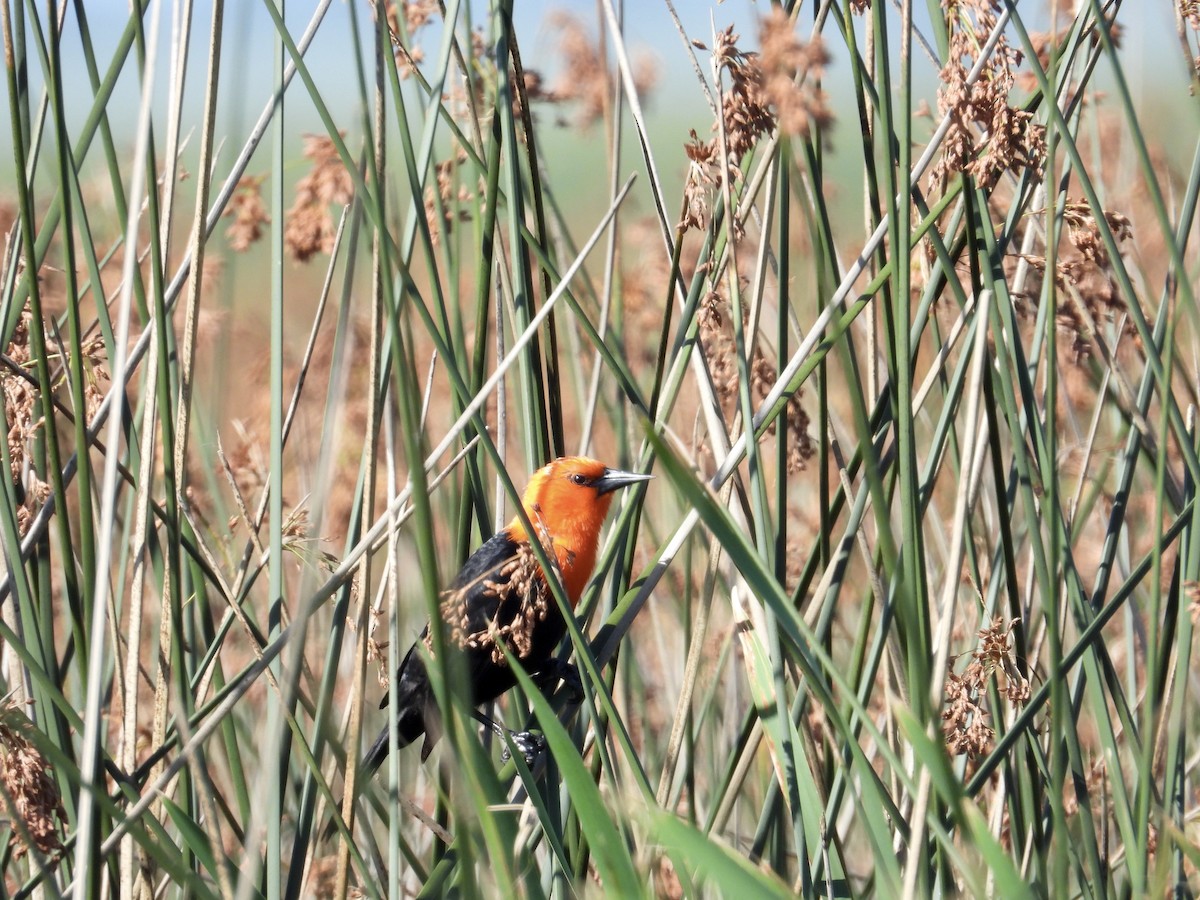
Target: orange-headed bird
(501, 595)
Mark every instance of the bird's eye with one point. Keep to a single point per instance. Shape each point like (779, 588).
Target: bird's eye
(579, 479)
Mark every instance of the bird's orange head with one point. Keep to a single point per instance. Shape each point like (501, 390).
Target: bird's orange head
(569, 498)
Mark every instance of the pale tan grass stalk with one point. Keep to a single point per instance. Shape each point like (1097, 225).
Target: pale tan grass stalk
(976, 429)
(198, 249)
(133, 634)
(370, 448)
(86, 839)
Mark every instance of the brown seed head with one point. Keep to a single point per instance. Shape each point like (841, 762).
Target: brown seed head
(248, 212)
(310, 228)
(1010, 138)
(30, 797)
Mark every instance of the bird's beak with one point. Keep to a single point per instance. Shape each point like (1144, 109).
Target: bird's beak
(612, 479)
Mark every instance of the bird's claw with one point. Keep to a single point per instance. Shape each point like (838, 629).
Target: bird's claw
(528, 743)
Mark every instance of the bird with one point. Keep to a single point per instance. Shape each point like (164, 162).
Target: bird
(501, 597)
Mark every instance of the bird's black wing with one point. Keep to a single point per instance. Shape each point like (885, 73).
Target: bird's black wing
(467, 605)
(498, 597)
(486, 561)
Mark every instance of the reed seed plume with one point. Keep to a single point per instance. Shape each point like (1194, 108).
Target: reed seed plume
(417, 14)
(988, 135)
(964, 717)
(30, 797)
(310, 227)
(249, 214)
(22, 401)
(777, 87)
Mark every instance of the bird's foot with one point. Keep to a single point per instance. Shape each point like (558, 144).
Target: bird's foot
(530, 744)
(557, 670)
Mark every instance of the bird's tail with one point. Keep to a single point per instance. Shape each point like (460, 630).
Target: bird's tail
(375, 756)
(409, 728)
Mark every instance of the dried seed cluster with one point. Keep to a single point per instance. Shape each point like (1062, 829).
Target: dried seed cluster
(22, 399)
(1011, 139)
(377, 650)
(797, 105)
(776, 86)
(310, 228)
(449, 197)
(519, 580)
(1093, 786)
(1084, 233)
(586, 78)
(645, 276)
(23, 406)
(745, 111)
(703, 178)
(30, 797)
(720, 350)
(1083, 272)
(1189, 10)
(417, 14)
(248, 212)
(1044, 43)
(964, 719)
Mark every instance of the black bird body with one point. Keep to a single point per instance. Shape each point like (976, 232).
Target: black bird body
(482, 601)
(500, 603)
